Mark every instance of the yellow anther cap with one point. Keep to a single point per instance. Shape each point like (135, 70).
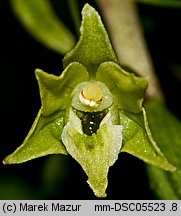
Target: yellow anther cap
(91, 95)
(92, 92)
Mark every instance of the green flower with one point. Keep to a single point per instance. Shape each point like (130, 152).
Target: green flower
(92, 111)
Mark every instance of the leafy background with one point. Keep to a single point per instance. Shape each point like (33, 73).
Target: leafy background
(60, 177)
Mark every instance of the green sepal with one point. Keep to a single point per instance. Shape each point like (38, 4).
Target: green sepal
(43, 139)
(138, 140)
(128, 89)
(94, 46)
(94, 153)
(55, 91)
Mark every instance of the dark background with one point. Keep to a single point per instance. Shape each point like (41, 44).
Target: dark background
(60, 177)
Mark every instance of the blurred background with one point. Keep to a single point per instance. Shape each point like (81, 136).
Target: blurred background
(61, 177)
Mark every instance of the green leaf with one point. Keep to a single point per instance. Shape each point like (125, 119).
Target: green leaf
(162, 3)
(94, 46)
(55, 91)
(163, 184)
(138, 141)
(94, 153)
(166, 131)
(40, 20)
(128, 89)
(44, 138)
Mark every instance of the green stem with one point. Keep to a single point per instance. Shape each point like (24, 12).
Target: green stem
(124, 28)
